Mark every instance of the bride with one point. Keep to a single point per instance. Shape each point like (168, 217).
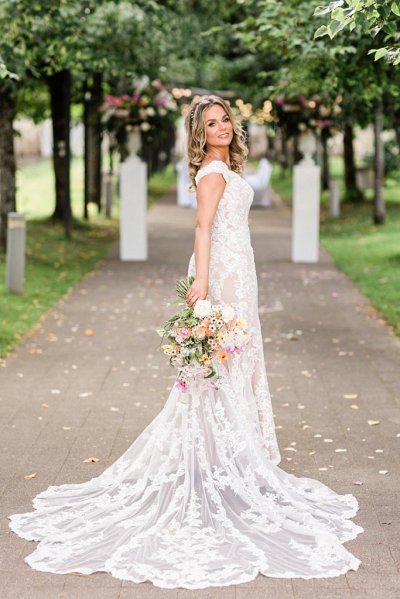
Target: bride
(198, 499)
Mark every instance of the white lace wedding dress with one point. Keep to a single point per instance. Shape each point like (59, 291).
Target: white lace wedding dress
(198, 499)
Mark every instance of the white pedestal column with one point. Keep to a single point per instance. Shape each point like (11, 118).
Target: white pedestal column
(133, 209)
(306, 200)
(334, 200)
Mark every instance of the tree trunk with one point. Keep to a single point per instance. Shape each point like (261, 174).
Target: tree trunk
(394, 117)
(352, 194)
(92, 121)
(284, 159)
(379, 168)
(7, 161)
(60, 96)
(297, 155)
(325, 160)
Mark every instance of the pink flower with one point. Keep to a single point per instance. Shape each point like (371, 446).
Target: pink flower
(136, 96)
(161, 101)
(181, 385)
(184, 332)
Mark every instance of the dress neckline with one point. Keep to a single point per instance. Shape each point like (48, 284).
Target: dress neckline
(221, 161)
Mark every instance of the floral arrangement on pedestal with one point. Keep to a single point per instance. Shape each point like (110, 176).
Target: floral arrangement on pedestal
(297, 115)
(147, 107)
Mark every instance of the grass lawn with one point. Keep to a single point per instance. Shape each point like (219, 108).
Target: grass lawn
(53, 263)
(368, 254)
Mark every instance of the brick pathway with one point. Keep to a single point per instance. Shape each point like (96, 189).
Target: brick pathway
(91, 378)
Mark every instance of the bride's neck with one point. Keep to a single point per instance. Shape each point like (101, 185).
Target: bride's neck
(219, 154)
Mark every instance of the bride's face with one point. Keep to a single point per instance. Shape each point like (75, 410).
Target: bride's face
(219, 129)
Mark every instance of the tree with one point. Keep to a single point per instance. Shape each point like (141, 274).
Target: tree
(380, 20)
(14, 64)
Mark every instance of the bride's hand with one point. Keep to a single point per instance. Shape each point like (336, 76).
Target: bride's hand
(197, 290)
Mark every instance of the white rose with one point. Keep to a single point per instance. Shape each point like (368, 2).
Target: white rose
(145, 126)
(151, 111)
(202, 308)
(228, 313)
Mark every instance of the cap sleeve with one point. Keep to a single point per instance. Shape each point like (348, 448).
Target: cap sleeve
(216, 166)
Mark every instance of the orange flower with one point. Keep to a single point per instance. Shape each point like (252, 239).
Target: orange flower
(199, 331)
(222, 356)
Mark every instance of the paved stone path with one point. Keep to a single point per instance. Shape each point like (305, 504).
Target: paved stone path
(91, 377)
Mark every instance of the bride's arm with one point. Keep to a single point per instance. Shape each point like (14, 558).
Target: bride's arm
(208, 194)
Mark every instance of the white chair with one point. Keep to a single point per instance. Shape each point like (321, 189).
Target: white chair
(260, 182)
(186, 198)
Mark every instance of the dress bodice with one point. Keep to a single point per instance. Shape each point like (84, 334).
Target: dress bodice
(230, 226)
(232, 276)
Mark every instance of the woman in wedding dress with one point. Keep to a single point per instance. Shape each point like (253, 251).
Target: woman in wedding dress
(198, 499)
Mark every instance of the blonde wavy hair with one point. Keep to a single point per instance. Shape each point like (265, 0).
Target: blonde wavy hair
(196, 136)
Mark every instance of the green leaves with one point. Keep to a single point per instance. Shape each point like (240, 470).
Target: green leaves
(379, 53)
(321, 31)
(367, 16)
(395, 8)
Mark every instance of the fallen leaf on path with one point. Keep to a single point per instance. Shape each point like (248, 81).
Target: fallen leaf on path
(55, 391)
(328, 440)
(90, 460)
(89, 332)
(373, 422)
(45, 405)
(383, 471)
(358, 482)
(378, 450)
(311, 452)
(66, 428)
(354, 406)
(85, 394)
(291, 337)
(350, 396)
(340, 450)
(113, 409)
(29, 476)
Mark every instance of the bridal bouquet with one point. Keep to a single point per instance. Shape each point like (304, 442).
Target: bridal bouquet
(199, 336)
